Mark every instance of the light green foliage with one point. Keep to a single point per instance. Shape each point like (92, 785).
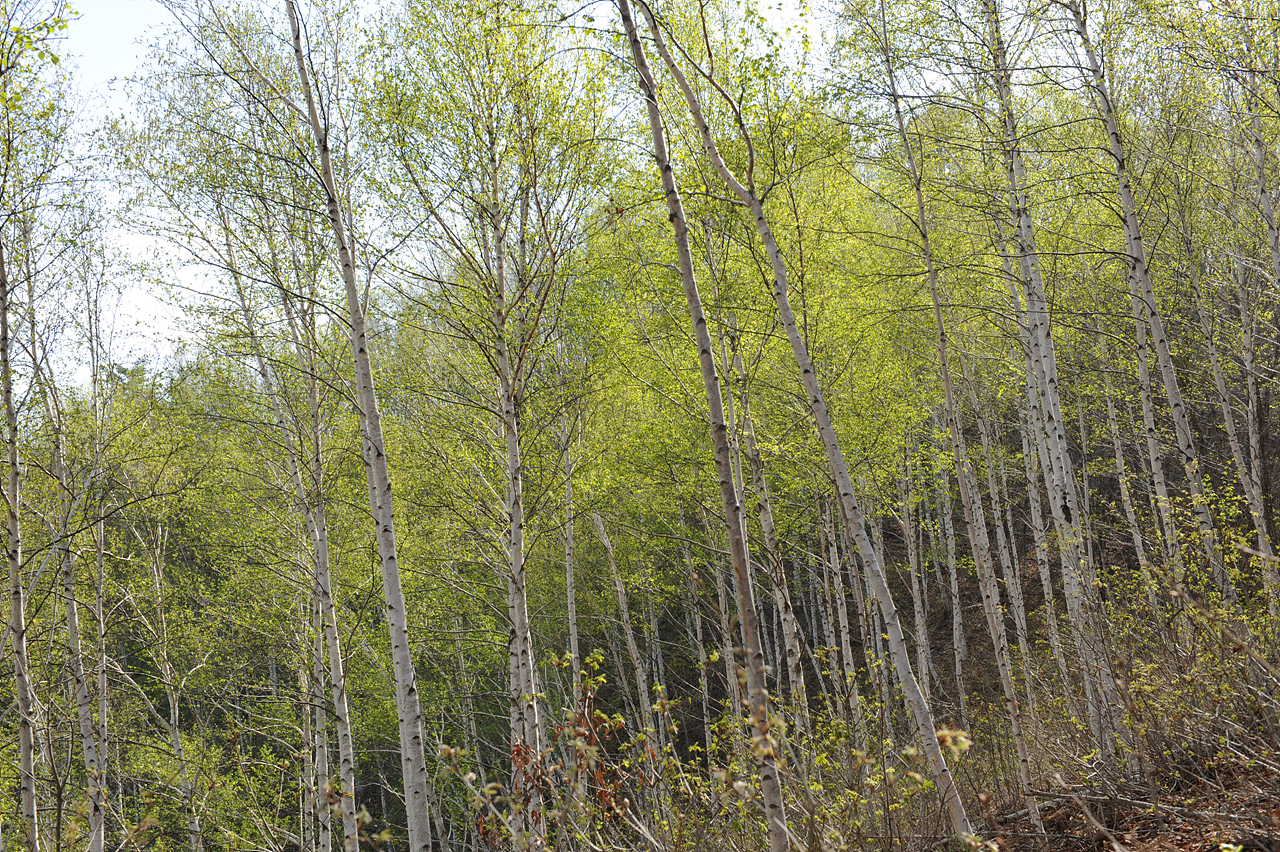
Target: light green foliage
(459, 128)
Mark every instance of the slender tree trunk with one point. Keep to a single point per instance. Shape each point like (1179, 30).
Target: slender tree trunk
(526, 726)
(1041, 547)
(94, 318)
(408, 705)
(643, 698)
(170, 720)
(1008, 552)
(1060, 480)
(100, 620)
(1248, 359)
(700, 648)
(1266, 198)
(728, 651)
(757, 692)
(906, 492)
(775, 564)
(1155, 459)
(653, 637)
(323, 814)
(1130, 512)
(468, 704)
(89, 746)
(70, 500)
(570, 586)
(308, 780)
(17, 589)
(1249, 483)
(849, 682)
(959, 650)
(1045, 420)
(872, 657)
(970, 497)
(309, 493)
(1184, 437)
(840, 473)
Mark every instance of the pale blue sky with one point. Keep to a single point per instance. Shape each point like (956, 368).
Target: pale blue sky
(108, 39)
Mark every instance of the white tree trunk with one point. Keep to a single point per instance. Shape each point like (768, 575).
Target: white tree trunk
(1249, 482)
(570, 584)
(89, 746)
(17, 633)
(970, 497)
(757, 691)
(840, 473)
(644, 701)
(311, 501)
(910, 534)
(776, 566)
(1183, 435)
(1041, 547)
(323, 813)
(381, 503)
(959, 650)
(1130, 512)
(700, 648)
(1008, 554)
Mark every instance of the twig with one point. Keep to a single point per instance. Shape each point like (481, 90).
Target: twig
(1119, 800)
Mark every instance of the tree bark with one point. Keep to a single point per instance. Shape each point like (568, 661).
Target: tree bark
(700, 648)
(17, 588)
(906, 494)
(381, 501)
(970, 497)
(644, 700)
(776, 566)
(757, 691)
(849, 698)
(1183, 435)
(849, 508)
(959, 650)
(311, 501)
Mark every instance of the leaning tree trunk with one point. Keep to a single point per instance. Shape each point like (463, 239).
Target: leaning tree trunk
(329, 627)
(1041, 547)
(757, 692)
(777, 570)
(1130, 512)
(1248, 360)
(1183, 435)
(89, 746)
(695, 617)
(850, 701)
(919, 597)
(1042, 376)
(851, 512)
(970, 497)
(959, 649)
(309, 493)
(570, 584)
(1044, 417)
(1249, 480)
(1155, 459)
(1004, 544)
(408, 704)
(311, 505)
(638, 668)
